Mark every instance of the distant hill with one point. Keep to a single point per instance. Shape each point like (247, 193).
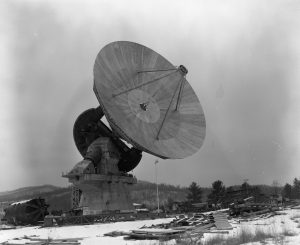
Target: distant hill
(60, 198)
(26, 192)
(143, 192)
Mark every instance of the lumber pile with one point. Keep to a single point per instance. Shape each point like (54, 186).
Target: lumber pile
(247, 207)
(220, 220)
(179, 228)
(246, 210)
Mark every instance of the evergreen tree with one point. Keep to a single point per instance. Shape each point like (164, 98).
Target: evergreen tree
(296, 188)
(218, 191)
(245, 186)
(229, 189)
(195, 193)
(287, 191)
(170, 203)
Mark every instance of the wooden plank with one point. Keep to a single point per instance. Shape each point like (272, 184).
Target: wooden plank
(184, 227)
(157, 231)
(181, 220)
(222, 226)
(53, 240)
(204, 227)
(36, 243)
(117, 233)
(63, 243)
(216, 231)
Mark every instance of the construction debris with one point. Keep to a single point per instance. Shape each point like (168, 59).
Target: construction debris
(246, 207)
(149, 234)
(220, 220)
(34, 240)
(180, 227)
(7, 227)
(117, 233)
(184, 226)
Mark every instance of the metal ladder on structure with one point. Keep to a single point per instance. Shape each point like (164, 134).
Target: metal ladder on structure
(75, 196)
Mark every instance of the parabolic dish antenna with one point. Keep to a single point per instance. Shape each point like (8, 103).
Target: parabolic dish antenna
(148, 101)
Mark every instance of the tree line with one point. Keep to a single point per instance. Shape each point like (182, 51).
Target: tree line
(221, 194)
(292, 191)
(218, 192)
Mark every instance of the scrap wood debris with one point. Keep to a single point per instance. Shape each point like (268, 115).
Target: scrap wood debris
(217, 220)
(35, 240)
(180, 227)
(221, 222)
(7, 227)
(154, 234)
(116, 233)
(195, 226)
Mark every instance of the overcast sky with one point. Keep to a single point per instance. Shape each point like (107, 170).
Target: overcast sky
(244, 64)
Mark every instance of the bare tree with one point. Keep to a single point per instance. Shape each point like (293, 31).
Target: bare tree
(275, 186)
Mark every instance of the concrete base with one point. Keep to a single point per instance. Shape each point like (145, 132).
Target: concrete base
(103, 197)
(104, 193)
(104, 188)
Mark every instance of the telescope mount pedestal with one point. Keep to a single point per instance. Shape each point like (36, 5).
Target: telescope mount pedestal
(103, 188)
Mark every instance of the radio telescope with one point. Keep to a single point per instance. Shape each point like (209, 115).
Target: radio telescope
(148, 103)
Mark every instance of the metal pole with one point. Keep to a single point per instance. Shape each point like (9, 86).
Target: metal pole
(144, 84)
(246, 181)
(157, 196)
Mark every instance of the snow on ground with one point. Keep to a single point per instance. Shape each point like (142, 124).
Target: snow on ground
(284, 226)
(94, 234)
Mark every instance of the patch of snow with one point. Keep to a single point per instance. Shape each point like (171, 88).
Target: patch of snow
(92, 234)
(20, 202)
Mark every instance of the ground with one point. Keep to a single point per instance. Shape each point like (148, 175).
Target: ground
(281, 229)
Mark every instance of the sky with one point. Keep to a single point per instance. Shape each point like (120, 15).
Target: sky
(243, 59)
